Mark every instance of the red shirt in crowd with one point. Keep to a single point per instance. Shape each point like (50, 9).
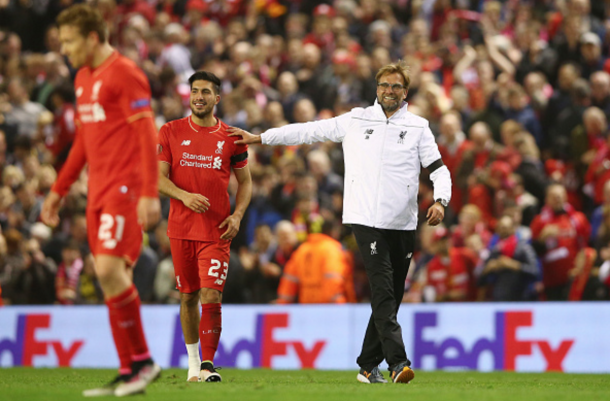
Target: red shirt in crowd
(201, 159)
(598, 173)
(115, 134)
(453, 274)
(558, 259)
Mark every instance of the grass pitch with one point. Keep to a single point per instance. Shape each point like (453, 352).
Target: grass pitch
(25, 384)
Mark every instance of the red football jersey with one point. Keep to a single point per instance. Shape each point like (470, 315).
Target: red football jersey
(200, 159)
(453, 273)
(115, 135)
(558, 259)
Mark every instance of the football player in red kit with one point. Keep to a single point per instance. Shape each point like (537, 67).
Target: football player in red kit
(196, 156)
(116, 138)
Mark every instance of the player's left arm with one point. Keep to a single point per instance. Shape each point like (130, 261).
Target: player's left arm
(244, 194)
(136, 101)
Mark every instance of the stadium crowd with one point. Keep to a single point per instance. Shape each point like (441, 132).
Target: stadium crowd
(517, 92)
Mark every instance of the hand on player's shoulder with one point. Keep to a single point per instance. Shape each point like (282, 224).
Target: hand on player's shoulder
(246, 137)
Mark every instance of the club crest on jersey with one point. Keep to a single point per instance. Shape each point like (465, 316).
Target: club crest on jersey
(368, 133)
(95, 91)
(401, 137)
(220, 144)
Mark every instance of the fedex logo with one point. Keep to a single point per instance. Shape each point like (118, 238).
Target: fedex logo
(25, 346)
(262, 348)
(505, 347)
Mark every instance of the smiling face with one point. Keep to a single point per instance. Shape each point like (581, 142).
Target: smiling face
(203, 98)
(76, 47)
(391, 97)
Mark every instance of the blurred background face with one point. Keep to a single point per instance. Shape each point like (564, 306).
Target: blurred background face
(556, 197)
(567, 76)
(285, 234)
(440, 246)
(590, 52)
(263, 235)
(304, 111)
(505, 227)
(450, 126)
(600, 86)
(479, 135)
(287, 84)
(468, 218)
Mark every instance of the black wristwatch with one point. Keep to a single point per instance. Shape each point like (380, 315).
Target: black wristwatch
(442, 202)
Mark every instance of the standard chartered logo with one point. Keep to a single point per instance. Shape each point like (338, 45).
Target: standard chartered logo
(201, 161)
(91, 112)
(98, 113)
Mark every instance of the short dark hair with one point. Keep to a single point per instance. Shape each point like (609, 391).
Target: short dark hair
(206, 76)
(87, 19)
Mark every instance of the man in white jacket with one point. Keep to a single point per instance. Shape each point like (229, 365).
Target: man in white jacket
(384, 146)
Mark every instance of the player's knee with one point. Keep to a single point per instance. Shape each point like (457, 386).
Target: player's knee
(189, 300)
(210, 296)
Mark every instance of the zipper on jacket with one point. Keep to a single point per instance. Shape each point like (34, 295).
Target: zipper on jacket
(379, 174)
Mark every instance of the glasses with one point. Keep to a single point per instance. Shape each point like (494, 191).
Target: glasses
(385, 86)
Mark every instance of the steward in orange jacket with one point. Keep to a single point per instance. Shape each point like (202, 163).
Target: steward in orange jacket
(318, 272)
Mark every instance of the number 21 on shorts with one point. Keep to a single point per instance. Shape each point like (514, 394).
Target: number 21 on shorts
(214, 271)
(109, 232)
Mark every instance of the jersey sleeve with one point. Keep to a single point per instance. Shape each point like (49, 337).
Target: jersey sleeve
(134, 94)
(239, 158)
(135, 98)
(164, 152)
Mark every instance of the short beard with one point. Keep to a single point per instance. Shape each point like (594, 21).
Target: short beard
(390, 108)
(201, 114)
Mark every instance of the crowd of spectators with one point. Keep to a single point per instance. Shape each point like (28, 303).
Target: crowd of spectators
(517, 93)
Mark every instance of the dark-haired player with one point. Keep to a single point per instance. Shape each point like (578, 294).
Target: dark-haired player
(196, 156)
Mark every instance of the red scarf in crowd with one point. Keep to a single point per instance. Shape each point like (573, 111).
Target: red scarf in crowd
(508, 246)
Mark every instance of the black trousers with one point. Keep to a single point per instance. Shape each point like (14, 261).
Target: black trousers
(387, 255)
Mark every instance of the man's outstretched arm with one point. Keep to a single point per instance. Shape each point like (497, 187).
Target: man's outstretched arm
(333, 129)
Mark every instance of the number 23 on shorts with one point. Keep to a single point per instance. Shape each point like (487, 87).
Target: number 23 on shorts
(214, 271)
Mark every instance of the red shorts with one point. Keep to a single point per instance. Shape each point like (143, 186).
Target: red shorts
(114, 230)
(199, 264)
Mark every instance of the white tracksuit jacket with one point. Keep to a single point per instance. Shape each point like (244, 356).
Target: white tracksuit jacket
(382, 162)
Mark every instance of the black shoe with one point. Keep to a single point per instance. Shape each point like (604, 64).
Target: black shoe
(208, 373)
(374, 376)
(107, 389)
(402, 373)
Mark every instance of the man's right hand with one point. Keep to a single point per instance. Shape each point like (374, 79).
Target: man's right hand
(246, 137)
(50, 209)
(196, 202)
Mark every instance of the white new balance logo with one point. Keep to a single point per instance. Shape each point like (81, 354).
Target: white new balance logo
(186, 143)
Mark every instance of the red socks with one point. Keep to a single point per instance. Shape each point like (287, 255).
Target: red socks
(210, 327)
(126, 324)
